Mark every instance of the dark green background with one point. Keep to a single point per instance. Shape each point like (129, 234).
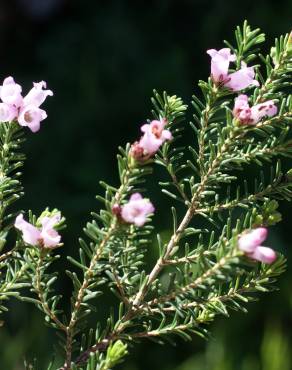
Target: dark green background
(102, 59)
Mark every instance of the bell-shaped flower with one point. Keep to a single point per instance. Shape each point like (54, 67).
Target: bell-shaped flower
(266, 109)
(30, 234)
(154, 136)
(253, 115)
(250, 244)
(250, 240)
(137, 210)
(45, 236)
(242, 110)
(235, 81)
(37, 95)
(49, 235)
(31, 116)
(10, 92)
(220, 63)
(242, 78)
(7, 112)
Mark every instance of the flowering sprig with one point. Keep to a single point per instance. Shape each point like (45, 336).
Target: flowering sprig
(199, 273)
(25, 110)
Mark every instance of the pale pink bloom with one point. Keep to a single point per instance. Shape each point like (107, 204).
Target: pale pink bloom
(235, 81)
(30, 234)
(267, 108)
(7, 112)
(10, 92)
(150, 144)
(241, 109)
(263, 254)
(137, 210)
(252, 115)
(37, 95)
(31, 116)
(220, 63)
(46, 236)
(250, 244)
(242, 78)
(154, 136)
(250, 240)
(49, 235)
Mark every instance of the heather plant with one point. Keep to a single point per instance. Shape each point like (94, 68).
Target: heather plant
(240, 121)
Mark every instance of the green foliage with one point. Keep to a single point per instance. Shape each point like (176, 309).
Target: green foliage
(199, 273)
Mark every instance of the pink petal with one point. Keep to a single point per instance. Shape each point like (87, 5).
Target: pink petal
(50, 237)
(30, 234)
(264, 254)
(136, 196)
(241, 79)
(166, 135)
(150, 143)
(220, 63)
(250, 240)
(7, 112)
(31, 116)
(37, 95)
(267, 108)
(50, 222)
(10, 92)
(137, 210)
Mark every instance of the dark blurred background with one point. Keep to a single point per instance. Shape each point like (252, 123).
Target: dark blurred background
(102, 59)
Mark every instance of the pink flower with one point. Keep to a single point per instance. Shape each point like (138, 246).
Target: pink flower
(242, 78)
(252, 115)
(267, 108)
(242, 110)
(235, 81)
(37, 95)
(136, 210)
(220, 63)
(46, 236)
(31, 116)
(250, 244)
(10, 92)
(7, 112)
(49, 235)
(154, 136)
(30, 234)
(249, 241)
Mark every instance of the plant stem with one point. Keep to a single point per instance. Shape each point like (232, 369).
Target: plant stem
(86, 281)
(40, 293)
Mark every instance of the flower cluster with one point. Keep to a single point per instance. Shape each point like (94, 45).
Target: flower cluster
(154, 136)
(26, 110)
(235, 81)
(252, 115)
(250, 244)
(45, 236)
